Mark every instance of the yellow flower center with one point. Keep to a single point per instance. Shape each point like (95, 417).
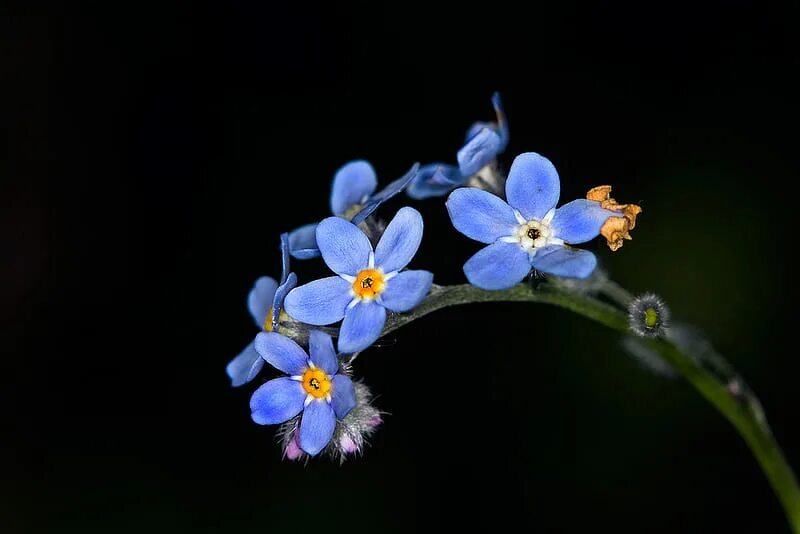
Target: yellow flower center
(369, 284)
(316, 383)
(352, 211)
(268, 321)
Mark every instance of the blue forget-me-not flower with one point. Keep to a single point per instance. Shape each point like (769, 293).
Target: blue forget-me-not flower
(484, 142)
(313, 387)
(351, 434)
(526, 232)
(367, 283)
(264, 301)
(353, 197)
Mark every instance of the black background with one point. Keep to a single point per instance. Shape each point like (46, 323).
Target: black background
(151, 155)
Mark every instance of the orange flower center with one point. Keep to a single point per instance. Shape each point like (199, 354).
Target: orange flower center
(316, 383)
(369, 283)
(268, 321)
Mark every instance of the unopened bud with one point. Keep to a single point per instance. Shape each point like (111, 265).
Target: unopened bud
(648, 316)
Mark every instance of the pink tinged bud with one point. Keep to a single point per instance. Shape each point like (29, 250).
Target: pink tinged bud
(292, 450)
(375, 421)
(347, 445)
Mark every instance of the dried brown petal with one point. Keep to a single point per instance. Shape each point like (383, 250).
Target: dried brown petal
(616, 229)
(630, 212)
(599, 193)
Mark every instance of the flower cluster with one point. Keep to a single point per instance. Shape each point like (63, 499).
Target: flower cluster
(316, 403)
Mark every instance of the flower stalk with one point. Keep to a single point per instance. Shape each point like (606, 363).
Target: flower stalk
(731, 396)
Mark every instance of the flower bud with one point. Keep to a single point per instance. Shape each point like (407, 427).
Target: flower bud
(353, 431)
(648, 316)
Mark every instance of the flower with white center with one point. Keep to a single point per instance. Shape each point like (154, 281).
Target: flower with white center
(367, 282)
(314, 388)
(527, 232)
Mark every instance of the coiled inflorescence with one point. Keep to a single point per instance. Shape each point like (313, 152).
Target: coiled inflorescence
(317, 405)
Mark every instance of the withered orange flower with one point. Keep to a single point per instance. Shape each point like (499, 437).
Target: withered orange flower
(616, 229)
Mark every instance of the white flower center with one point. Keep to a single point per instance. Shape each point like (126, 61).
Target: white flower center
(533, 234)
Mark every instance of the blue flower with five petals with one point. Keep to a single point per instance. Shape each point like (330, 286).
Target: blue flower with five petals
(527, 232)
(313, 387)
(367, 283)
(264, 301)
(484, 142)
(353, 197)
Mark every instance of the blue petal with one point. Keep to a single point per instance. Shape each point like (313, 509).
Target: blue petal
(406, 290)
(277, 401)
(319, 302)
(478, 152)
(480, 215)
(362, 325)
(343, 398)
(305, 253)
(502, 121)
(280, 295)
(282, 353)
(445, 175)
(564, 261)
(323, 355)
(434, 180)
(500, 127)
(316, 427)
(260, 299)
(579, 221)
(399, 241)
(385, 194)
(476, 128)
(284, 256)
(499, 266)
(352, 184)
(243, 368)
(303, 242)
(532, 186)
(344, 246)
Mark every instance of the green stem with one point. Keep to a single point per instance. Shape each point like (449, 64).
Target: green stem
(726, 391)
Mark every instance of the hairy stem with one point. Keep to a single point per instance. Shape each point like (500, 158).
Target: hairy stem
(725, 390)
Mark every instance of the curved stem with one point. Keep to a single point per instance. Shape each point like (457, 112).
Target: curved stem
(725, 390)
